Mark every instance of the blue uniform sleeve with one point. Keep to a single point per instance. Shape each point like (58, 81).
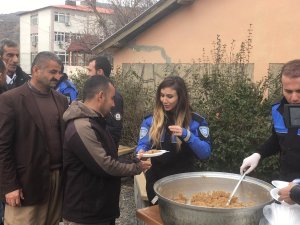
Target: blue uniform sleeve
(199, 140)
(144, 142)
(71, 93)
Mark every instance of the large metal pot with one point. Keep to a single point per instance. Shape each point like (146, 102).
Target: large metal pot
(173, 213)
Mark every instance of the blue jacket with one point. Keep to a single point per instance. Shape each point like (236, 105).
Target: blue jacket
(286, 142)
(67, 88)
(199, 141)
(175, 161)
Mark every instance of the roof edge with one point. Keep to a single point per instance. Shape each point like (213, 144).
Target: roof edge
(137, 23)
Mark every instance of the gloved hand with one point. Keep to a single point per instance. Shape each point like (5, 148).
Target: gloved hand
(250, 162)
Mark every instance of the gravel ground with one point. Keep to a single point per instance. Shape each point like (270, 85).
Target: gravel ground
(127, 204)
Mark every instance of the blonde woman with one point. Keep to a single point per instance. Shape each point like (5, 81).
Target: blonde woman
(173, 127)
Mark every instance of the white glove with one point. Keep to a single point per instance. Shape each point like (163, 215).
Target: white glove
(250, 162)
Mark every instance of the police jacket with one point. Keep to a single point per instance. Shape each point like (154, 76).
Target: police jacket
(21, 78)
(285, 142)
(115, 119)
(67, 88)
(196, 146)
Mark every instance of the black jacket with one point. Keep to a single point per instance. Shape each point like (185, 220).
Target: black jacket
(285, 142)
(3, 89)
(91, 169)
(295, 194)
(115, 119)
(21, 78)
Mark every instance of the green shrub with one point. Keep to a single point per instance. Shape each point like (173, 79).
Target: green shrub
(238, 111)
(138, 102)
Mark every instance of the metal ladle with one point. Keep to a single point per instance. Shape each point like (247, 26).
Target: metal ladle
(234, 190)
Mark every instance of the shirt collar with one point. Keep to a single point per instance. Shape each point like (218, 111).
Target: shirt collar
(11, 80)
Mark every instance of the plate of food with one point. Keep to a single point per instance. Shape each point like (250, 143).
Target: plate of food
(153, 153)
(280, 184)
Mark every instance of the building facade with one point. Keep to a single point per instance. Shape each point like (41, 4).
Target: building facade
(181, 31)
(54, 28)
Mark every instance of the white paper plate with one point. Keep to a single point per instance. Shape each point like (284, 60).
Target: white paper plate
(275, 196)
(280, 184)
(145, 155)
(274, 193)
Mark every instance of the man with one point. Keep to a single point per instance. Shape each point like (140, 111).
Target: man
(284, 141)
(2, 90)
(65, 86)
(101, 66)
(2, 77)
(31, 138)
(9, 53)
(92, 170)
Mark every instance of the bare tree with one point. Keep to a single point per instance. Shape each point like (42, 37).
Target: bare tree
(123, 11)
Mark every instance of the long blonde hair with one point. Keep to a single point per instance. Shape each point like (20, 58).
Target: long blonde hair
(182, 110)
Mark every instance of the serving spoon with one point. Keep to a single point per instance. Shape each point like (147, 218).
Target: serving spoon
(234, 190)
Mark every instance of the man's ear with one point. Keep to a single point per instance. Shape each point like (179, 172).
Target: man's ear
(101, 95)
(35, 68)
(100, 72)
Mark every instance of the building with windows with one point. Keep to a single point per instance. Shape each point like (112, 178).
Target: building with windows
(55, 28)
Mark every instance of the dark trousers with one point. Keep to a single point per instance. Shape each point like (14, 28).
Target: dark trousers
(1, 212)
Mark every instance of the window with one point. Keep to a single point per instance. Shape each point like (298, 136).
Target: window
(78, 59)
(65, 37)
(64, 56)
(34, 39)
(59, 36)
(62, 18)
(34, 19)
(33, 55)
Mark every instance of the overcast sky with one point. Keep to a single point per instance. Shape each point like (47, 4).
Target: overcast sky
(10, 6)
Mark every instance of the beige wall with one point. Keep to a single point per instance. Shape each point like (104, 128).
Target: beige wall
(181, 36)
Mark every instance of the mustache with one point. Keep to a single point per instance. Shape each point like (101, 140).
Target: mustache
(53, 79)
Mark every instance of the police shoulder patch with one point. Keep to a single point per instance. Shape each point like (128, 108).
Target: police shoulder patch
(143, 132)
(118, 116)
(204, 131)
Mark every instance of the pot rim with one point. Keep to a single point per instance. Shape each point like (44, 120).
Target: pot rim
(167, 179)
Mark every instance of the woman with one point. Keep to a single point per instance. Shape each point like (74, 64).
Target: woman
(175, 128)
(2, 77)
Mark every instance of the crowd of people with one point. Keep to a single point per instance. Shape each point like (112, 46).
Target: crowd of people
(59, 155)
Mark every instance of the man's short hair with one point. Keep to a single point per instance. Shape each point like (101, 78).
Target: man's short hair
(94, 85)
(101, 62)
(7, 43)
(291, 69)
(43, 58)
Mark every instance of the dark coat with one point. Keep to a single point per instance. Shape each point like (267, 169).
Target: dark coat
(92, 171)
(115, 119)
(21, 78)
(24, 159)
